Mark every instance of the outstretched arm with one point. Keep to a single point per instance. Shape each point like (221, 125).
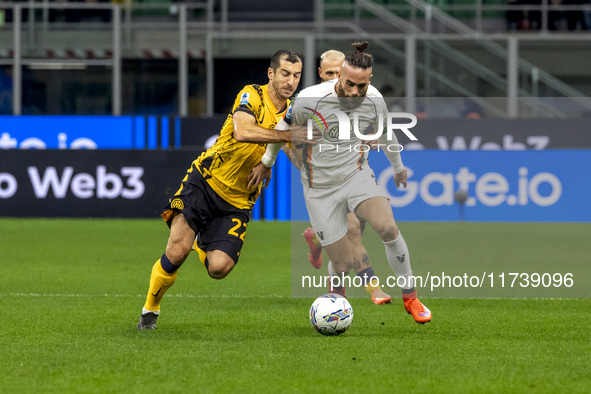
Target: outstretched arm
(392, 151)
(298, 135)
(273, 149)
(246, 129)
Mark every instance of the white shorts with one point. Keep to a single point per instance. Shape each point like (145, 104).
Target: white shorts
(328, 207)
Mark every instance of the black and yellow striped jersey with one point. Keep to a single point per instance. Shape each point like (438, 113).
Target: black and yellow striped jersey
(227, 164)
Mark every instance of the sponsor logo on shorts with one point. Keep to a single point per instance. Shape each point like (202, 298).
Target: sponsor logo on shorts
(177, 204)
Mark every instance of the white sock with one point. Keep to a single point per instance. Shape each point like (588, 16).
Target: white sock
(399, 259)
(144, 311)
(331, 272)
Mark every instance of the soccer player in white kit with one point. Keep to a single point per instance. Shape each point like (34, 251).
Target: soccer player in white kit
(335, 173)
(330, 65)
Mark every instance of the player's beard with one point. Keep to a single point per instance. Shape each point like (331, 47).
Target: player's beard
(348, 103)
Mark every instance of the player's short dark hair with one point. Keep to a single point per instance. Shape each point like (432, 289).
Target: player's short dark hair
(290, 56)
(358, 58)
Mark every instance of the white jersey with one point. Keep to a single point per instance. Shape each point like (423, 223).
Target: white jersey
(337, 157)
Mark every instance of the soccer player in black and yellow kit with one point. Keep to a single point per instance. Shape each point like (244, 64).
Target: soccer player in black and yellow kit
(215, 197)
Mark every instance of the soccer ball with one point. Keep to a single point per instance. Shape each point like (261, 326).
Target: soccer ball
(331, 314)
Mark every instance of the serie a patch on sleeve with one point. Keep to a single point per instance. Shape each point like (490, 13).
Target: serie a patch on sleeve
(244, 98)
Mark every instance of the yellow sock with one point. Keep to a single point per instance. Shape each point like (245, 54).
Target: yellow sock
(202, 253)
(371, 286)
(160, 281)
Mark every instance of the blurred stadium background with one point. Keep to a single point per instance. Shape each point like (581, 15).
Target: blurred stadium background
(160, 76)
(159, 57)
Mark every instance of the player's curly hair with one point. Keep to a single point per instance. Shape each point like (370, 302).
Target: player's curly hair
(290, 56)
(359, 58)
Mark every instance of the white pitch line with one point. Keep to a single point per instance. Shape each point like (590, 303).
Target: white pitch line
(261, 296)
(140, 295)
(267, 296)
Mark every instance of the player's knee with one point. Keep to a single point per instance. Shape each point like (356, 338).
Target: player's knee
(387, 231)
(218, 271)
(177, 253)
(342, 266)
(219, 266)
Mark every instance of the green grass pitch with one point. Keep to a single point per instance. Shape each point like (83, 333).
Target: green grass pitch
(72, 290)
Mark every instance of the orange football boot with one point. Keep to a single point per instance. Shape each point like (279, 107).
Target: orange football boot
(377, 294)
(414, 307)
(379, 297)
(315, 254)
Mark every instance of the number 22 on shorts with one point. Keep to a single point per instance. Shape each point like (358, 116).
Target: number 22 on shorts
(239, 224)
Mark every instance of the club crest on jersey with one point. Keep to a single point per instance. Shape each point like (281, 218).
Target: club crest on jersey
(244, 98)
(178, 204)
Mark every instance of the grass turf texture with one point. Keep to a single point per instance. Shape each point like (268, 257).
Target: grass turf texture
(72, 291)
